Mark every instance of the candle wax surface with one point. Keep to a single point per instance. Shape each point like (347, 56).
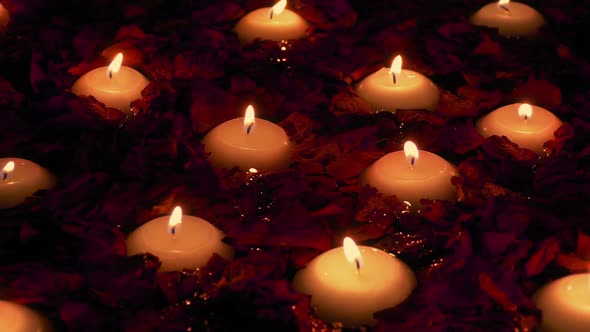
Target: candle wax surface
(26, 179)
(4, 16)
(340, 294)
(15, 317)
(412, 90)
(284, 26)
(430, 177)
(521, 20)
(529, 134)
(117, 92)
(193, 244)
(565, 304)
(266, 148)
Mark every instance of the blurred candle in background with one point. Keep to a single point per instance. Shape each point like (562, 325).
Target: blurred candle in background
(271, 23)
(510, 18)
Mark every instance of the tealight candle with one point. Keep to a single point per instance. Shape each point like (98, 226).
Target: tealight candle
(179, 241)
(21, 178)
(4, 17)
(565, 304)
(248, 143)
(15, 317)
(271, 23)
(115, 86)
(349, 284)
(411, 175)
(510, 18)
(390, 89)
(528, 126)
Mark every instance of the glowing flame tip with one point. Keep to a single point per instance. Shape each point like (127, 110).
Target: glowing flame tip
(9, 167)
(115, 65)
(175, 219)
(525, 111)
(396, 65)
(411, 151)
(249, 119)
(352, 252)
(278, 8)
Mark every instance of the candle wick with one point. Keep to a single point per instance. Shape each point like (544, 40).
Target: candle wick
(526, 117)
(394, 77)
(249, 129)
(4, 176)
(173, 230)
(358, 265)
(506, 9)
(110, 74)
(412, 161)
(271, 14)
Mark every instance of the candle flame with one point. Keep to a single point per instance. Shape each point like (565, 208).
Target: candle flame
(249, 119)
(504, 5)
(352, 252)
(525, 111)
(396, 68)
(278, 8)
(9, 167)
(411, 151)
(115, 65)
(253, 170)
(175, 220)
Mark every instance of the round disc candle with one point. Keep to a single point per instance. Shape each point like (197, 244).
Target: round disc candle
(390, 89)
(248, 143)
(4, 17)
(565, 304)
(179, 241)
(528, 126)
(510, 18)
(115, 86)
(349, 284)
(411, 175)
(21, 178)
(15, 317)
(271, 23)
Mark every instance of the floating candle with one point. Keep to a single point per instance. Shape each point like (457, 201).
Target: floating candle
(528, 126)
(15, 317)
(20, 179)
(565, 304)
(179, 241)
(510, 18)
(248, 143)
(411, 175)
(4, 17)
(271, 23)
(349, 284)
(390, 89)
(115, 86)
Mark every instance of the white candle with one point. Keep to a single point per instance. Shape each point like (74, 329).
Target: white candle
(349, 284)
(510, 18)
(21, 178)
(526, 125)
(390, 89)
(411, 175)
(115, 86)
(4, 17)
(248, 143)
(18, 318)
(271, 23)
(179, 241)
(565, 304)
